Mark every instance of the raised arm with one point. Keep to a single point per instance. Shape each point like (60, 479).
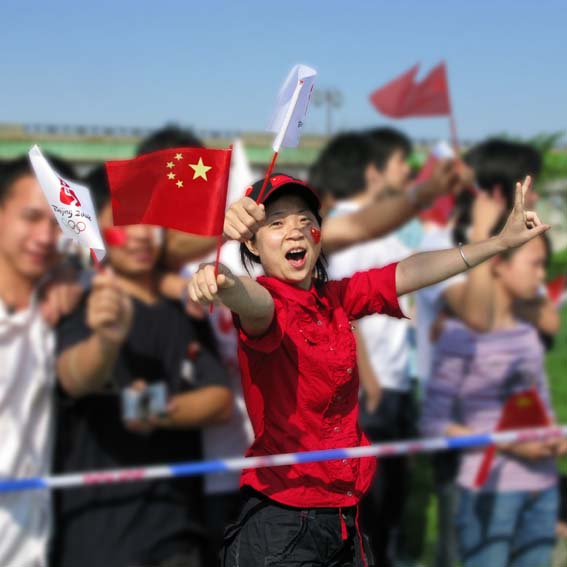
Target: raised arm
(390, 211)
(86, 366)
(245, 216)
(472, 300)
(181, 248)
(427, 268)
(242, 295)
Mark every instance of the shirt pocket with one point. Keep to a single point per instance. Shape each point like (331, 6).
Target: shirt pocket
(313, 329)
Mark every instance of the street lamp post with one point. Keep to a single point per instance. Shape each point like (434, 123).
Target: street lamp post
(331, 98)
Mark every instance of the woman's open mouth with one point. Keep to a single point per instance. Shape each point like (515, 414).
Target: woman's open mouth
(296, 257)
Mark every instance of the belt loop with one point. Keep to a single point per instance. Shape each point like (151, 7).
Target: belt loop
(362, 554)
(344, 533)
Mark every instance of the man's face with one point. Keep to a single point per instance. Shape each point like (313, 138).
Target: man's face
(397, 171)
(133, 250)
(28, 230)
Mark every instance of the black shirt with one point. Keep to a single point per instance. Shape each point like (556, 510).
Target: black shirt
(142, 522)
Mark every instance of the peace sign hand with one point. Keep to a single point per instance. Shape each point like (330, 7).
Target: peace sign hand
(521, 225)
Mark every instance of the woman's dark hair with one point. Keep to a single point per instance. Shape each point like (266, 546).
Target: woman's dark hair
(248, 259)
(496, 163)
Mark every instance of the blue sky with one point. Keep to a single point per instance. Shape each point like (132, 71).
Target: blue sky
(219, 65)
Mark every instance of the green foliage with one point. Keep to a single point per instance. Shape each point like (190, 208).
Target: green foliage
(557, 265)
(556, 366)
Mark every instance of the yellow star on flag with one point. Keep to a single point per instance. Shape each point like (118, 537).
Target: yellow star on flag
(200, 169)
(523, 402)
(179, 184)
(171, 175)
(178, 157)
(170, 164)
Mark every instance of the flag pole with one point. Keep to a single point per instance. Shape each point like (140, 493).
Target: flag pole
(454, 136)
(280, 137)
(97, 264)
(219, 239)
(452, 121)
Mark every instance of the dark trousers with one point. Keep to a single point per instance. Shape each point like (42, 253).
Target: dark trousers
(270, 534)
(220, 510)
(382, 506)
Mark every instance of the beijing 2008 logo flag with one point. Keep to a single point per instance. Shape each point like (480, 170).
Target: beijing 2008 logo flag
(71, 204)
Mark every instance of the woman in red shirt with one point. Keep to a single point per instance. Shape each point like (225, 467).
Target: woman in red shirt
(297, 356)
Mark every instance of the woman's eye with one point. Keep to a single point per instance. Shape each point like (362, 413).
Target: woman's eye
(276, 224)
(305, 220)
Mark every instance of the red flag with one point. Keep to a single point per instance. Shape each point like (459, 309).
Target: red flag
(390, 99)
(442, 208)
(557, 290)
(184, 189)
(405, 97)
(524, 409)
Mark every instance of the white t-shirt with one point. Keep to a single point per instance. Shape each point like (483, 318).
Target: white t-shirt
(233, 438)
(429, 301)
(27, 379)
(386, 338)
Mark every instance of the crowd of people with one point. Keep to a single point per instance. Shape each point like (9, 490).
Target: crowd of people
(344, 314)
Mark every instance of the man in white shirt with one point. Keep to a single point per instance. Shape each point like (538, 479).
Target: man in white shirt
(372, 164)
(28, 251)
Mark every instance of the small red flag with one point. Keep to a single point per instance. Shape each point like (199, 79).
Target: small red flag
(184, 189)
(557, 290)
(521, 410)
(405, 97)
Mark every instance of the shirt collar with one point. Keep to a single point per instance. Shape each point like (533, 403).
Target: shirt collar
(312, 298)
(20, 318)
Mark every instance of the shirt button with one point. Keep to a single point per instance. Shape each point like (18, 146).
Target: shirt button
(349, 493)
(319, 323)
(331, 348)
(339, 397)
(349, 370)
(337, 429)
(345, 461)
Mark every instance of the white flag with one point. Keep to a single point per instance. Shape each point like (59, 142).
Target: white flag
(240, 176)
(291, 106)
(71, 204)
(442, 150)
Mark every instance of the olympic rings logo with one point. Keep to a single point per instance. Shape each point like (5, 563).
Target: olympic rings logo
(76, 227)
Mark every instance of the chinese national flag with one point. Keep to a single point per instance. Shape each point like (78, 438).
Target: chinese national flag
(184, 189)
(521, 410)
(404, 97)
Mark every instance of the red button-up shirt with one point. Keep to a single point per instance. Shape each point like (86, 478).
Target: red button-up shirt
(300, 383)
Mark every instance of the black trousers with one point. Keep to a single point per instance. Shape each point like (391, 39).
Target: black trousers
(270, 534)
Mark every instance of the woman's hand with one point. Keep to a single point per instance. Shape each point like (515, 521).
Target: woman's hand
(521, 225)
(243, 218)
(204, 286)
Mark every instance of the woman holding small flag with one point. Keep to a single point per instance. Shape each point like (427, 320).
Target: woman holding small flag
(298, 361)
(494, 379)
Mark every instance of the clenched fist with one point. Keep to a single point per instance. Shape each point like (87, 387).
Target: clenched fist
(109, 309)
(204, 286)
